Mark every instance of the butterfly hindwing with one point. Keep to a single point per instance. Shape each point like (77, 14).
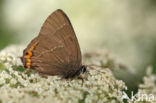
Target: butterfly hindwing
(57, 51)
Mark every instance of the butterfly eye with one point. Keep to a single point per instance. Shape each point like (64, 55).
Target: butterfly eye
(83, 69)
(26, 53)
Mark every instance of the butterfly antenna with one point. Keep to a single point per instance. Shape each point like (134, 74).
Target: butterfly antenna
(93, 67)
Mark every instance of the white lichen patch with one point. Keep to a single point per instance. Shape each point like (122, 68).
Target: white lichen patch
(18, 85)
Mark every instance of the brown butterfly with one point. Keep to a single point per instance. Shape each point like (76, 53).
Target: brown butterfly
(55, 51)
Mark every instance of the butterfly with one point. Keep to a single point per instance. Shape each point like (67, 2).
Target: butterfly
(55, 51)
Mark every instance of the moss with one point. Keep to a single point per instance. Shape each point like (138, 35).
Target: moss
(28, 72)
(18, 84)
(18, 68)
(7, 80)
(6, 70)
(96, 85)
(84, 97)
(2, 67)
(33, 80)
(14, 76)
(33, 93)
(1, 85)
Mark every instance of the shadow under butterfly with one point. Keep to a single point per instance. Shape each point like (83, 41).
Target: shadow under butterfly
(55, 51)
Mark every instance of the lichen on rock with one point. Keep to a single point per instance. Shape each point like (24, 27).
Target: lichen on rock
(18, 85)
(97, 85)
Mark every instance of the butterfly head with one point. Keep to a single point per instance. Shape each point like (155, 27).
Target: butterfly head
(83, 69)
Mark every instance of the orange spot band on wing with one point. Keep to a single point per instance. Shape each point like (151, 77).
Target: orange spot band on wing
(28, 60)
(28, 64)
(33, 46)
(29, 54)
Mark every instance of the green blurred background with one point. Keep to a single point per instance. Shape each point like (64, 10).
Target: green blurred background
(126, 27)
